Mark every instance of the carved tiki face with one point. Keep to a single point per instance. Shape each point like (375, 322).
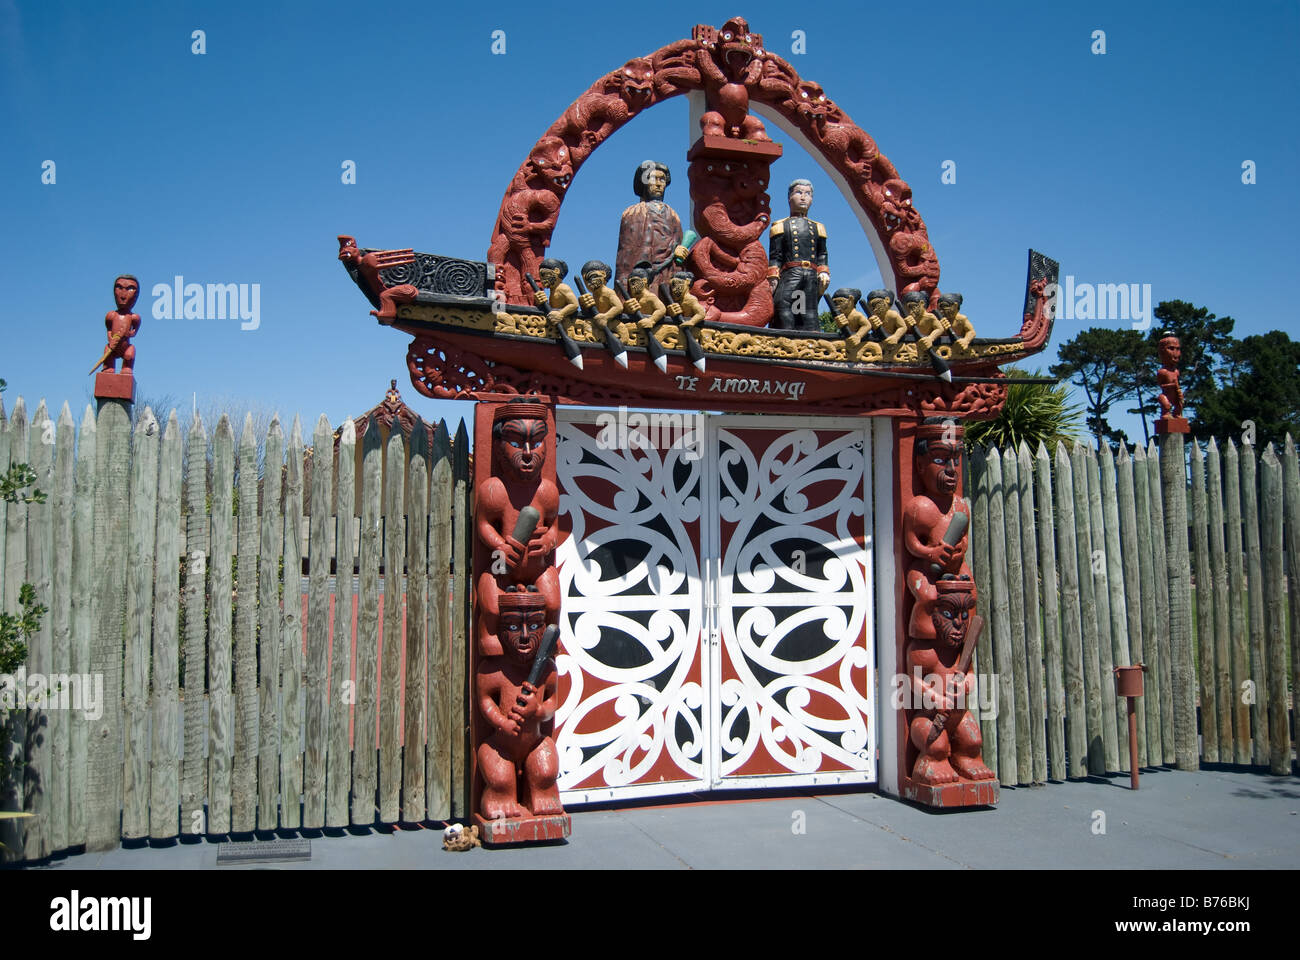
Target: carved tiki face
(1171, 352)
(520, 446)
(521, 632)
(940, 466)
(951, 615)
(125, 290)
(635, 286)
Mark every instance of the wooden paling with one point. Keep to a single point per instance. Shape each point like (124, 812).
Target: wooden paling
(40, 647)
(1088, 613)
(243, 784)
(1205, 630)
(1033, 626)
(1273, 588)
(1110, 732)
(165, 753)
(1053, 666)
(221, 734)
(291, 638)
(1016, 596)
(1120, 655)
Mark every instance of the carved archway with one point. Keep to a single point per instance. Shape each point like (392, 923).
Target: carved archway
(870, 183)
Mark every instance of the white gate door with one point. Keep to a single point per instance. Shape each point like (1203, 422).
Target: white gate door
(718, 603)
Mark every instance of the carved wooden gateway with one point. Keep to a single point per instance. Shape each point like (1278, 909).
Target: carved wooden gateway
(670, 601)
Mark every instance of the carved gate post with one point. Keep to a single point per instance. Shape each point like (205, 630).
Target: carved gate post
(935, 738)
(513, 680)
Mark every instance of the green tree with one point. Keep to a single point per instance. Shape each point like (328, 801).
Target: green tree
(1106, 364)
(1033, 413)
(1261, 385)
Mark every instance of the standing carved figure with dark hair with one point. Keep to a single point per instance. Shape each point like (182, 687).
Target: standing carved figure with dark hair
(650, 230)
(796, 264)
(122, 324)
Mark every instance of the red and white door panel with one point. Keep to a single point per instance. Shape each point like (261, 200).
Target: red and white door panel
(718, 603)
(792, 600)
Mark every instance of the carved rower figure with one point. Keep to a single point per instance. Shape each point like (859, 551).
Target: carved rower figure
(518, 760)
(880, 308)
(918, 318)
(844, 301)
(950, 321)
(562, 300)
(684, 308)
(602, 298)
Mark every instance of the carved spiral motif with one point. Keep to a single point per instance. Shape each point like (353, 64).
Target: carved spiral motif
(461, 278)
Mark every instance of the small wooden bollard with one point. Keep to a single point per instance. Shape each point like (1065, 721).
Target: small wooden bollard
(1128, 683)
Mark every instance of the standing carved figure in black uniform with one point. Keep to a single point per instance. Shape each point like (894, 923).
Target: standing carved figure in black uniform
(796, 264)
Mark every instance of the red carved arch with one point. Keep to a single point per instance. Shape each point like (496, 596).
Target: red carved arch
(531, 205)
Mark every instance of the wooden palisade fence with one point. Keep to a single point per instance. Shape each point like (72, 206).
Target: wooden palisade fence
(227, 708)
(224, 708)
(1081, 569)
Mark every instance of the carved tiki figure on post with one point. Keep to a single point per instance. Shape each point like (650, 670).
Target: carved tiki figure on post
(516, 693)
(1170, 351)
(122, 324)
(944, 736)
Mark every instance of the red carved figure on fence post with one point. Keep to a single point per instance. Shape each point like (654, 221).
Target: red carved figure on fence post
(121, 324)
(942, 630)
(516, 694)
(1170, 351)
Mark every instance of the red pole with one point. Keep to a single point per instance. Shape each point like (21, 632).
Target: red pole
(1133, 741)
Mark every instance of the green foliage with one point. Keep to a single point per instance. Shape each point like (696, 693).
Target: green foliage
(16, 629)
(18, 476)
(1034, 413)
(1261, 385)
(1107, 364)
(15, 480)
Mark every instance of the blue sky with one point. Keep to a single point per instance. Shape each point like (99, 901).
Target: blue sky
(225, 167)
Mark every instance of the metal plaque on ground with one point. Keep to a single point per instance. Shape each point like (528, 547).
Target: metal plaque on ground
(265, 851)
